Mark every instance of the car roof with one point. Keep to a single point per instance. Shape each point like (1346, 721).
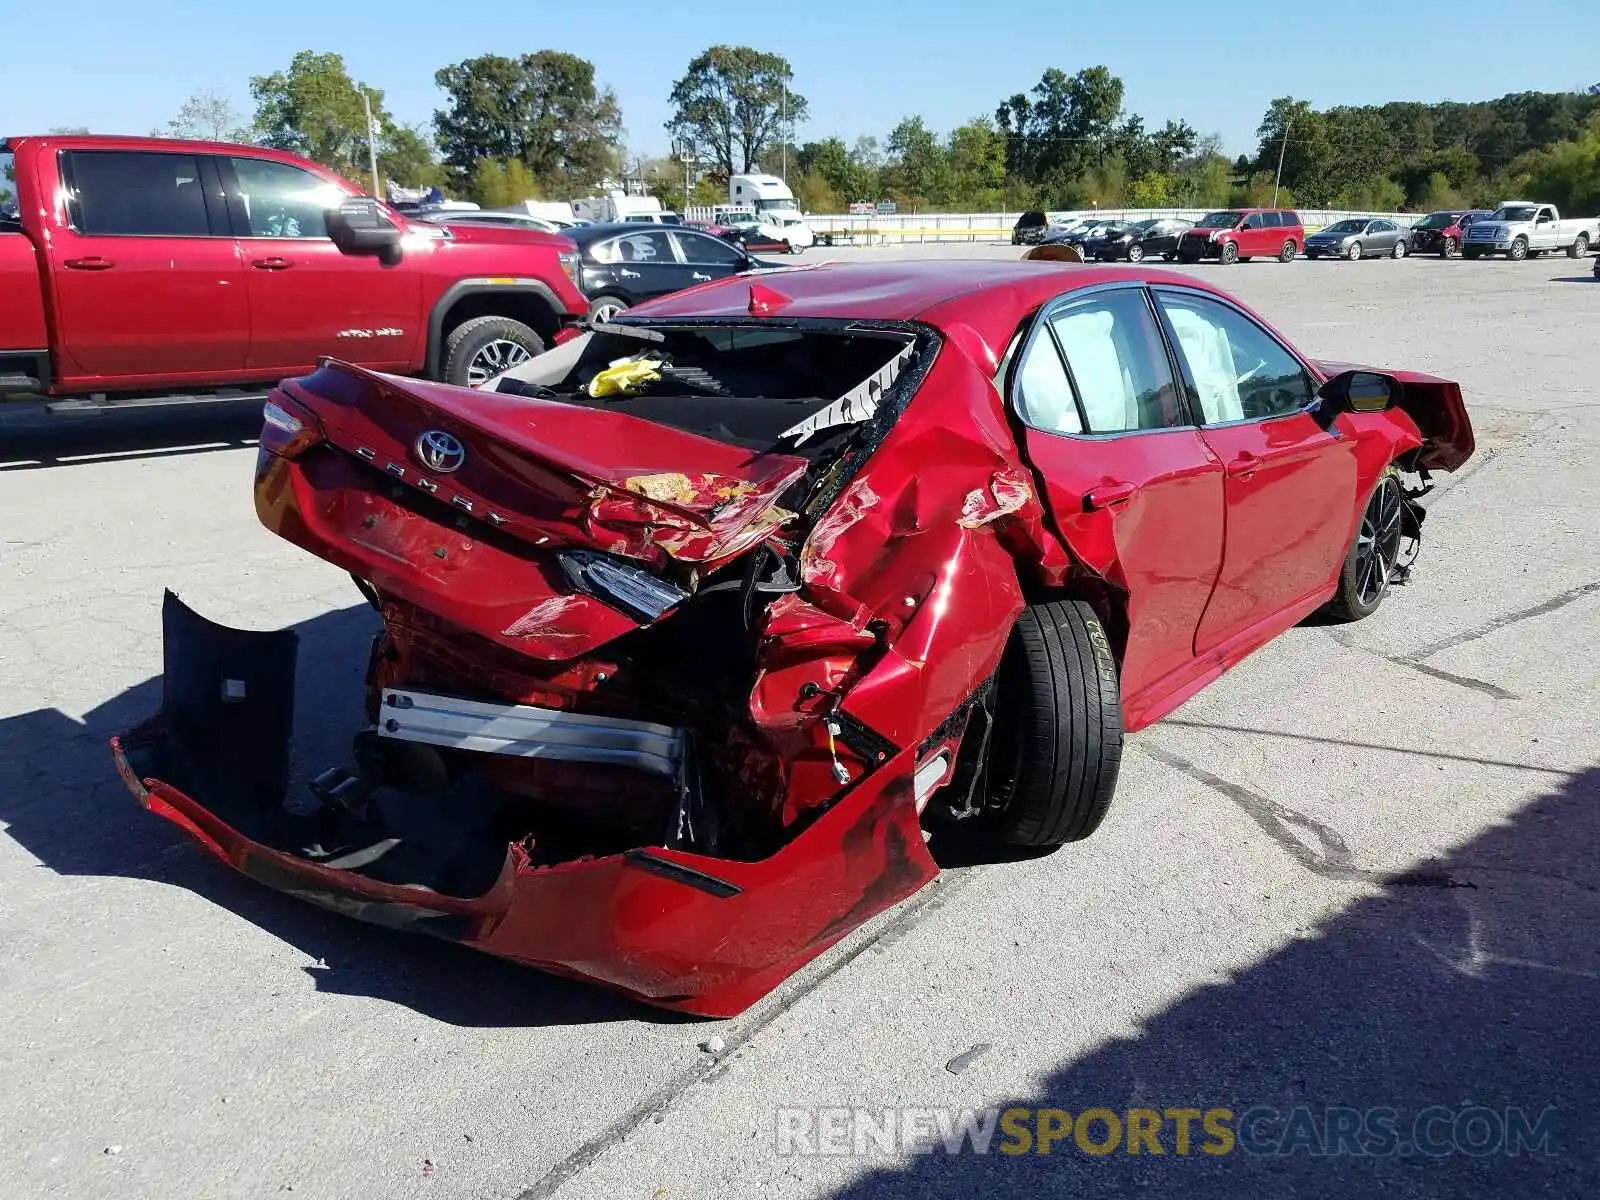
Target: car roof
(987, 298)
(593, 233)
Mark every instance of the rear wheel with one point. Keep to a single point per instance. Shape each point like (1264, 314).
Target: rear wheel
(1399, 250)
(1286, 253)
(603, 308)
(1057, 743)
(1229, 254)
(1370, 563)
(1580, 247)
(478, 350)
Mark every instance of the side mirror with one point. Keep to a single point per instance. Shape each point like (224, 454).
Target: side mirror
(360, 228)
(1358, 391)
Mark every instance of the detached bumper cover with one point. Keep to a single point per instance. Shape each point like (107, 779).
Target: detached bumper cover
(685, 931)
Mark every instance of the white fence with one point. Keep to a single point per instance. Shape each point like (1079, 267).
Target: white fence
(996, 226)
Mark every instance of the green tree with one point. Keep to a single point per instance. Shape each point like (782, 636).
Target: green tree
(1568, 174)
(1295, 131)
(206, 116)
(843, 172)
(814, 193)
(733, 104)
(1068, 126)
(406, 157)
(919, 171)
(542, 109)
(314, 109)
(977, 164)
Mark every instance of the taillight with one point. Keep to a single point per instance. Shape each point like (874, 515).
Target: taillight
(288, 429)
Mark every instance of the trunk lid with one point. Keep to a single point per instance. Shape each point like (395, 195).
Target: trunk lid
(551, 474)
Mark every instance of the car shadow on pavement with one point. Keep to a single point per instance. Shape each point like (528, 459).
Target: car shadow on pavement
(1464, 998)
(62, 801)
(1575, 279)
(32, 441)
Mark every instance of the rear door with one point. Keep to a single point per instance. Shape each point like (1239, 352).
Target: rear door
(1384, 235)
(1133, 487)
(1290, 485)
(645, 262)
(149, 289)
(306, 298)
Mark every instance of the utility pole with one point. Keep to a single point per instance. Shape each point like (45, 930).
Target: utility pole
(1288, 116)
(784, 122)
(372, 143)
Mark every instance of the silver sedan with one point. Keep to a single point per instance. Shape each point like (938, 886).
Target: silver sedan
(1359, 237)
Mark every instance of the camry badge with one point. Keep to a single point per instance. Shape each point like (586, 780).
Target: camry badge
(440, 452)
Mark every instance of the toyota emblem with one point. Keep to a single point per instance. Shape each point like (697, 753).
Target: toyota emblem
(440, 452)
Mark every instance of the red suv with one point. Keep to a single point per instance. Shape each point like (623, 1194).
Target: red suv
(1240, 234)
(179, 270)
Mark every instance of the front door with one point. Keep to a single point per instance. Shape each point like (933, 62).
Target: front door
(1290, 485)
(148, 284)
(1133, 488)
(708, 257)
(306, 298)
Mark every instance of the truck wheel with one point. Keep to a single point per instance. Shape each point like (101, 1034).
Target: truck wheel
(1519, 250)
(1058, 730)
(1580, 247)
(478, 350)
(603, 308)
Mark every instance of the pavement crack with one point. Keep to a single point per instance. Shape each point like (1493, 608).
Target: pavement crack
(1466, 681)
(1498, 623)
(664, 1097)
(1329, 858)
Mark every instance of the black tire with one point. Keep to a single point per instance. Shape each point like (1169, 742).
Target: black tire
(606, 303)
(1398, 250)
(1287, 252)
(1058, 727)
(1229, 253)
(1168, 256)
(1136, 253)
(1580, 247)
(474, 348)
(1364, 583)
(1354, 252)
(1450, 248)
(1519, 249)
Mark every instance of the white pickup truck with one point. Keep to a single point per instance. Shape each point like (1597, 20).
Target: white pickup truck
(1522, 229)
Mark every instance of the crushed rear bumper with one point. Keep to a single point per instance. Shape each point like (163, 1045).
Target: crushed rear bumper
(685, 931)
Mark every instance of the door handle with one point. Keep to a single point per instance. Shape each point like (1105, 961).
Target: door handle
(698, 275)
(1244, 465)
(1108, 495)
(91, 263)
(271, 264)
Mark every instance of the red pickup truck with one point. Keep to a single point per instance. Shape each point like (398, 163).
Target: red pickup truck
(135, 270)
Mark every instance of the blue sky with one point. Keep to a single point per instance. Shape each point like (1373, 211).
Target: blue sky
(121, 67)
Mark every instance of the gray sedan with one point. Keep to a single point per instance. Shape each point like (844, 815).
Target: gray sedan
(1359, 237)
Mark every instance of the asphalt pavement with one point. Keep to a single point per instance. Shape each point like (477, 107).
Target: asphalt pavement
(1358, 873)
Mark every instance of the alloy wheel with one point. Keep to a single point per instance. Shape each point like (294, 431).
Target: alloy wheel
(1378, 542)
(495, 358)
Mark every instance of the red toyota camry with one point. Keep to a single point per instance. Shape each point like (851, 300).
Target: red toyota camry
(693, 627)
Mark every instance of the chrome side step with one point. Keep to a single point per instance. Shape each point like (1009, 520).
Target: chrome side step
(523, 731)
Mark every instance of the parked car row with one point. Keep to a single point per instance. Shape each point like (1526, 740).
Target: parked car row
(1518, 229)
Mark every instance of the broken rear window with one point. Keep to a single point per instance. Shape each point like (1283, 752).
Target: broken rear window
(762, 388)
